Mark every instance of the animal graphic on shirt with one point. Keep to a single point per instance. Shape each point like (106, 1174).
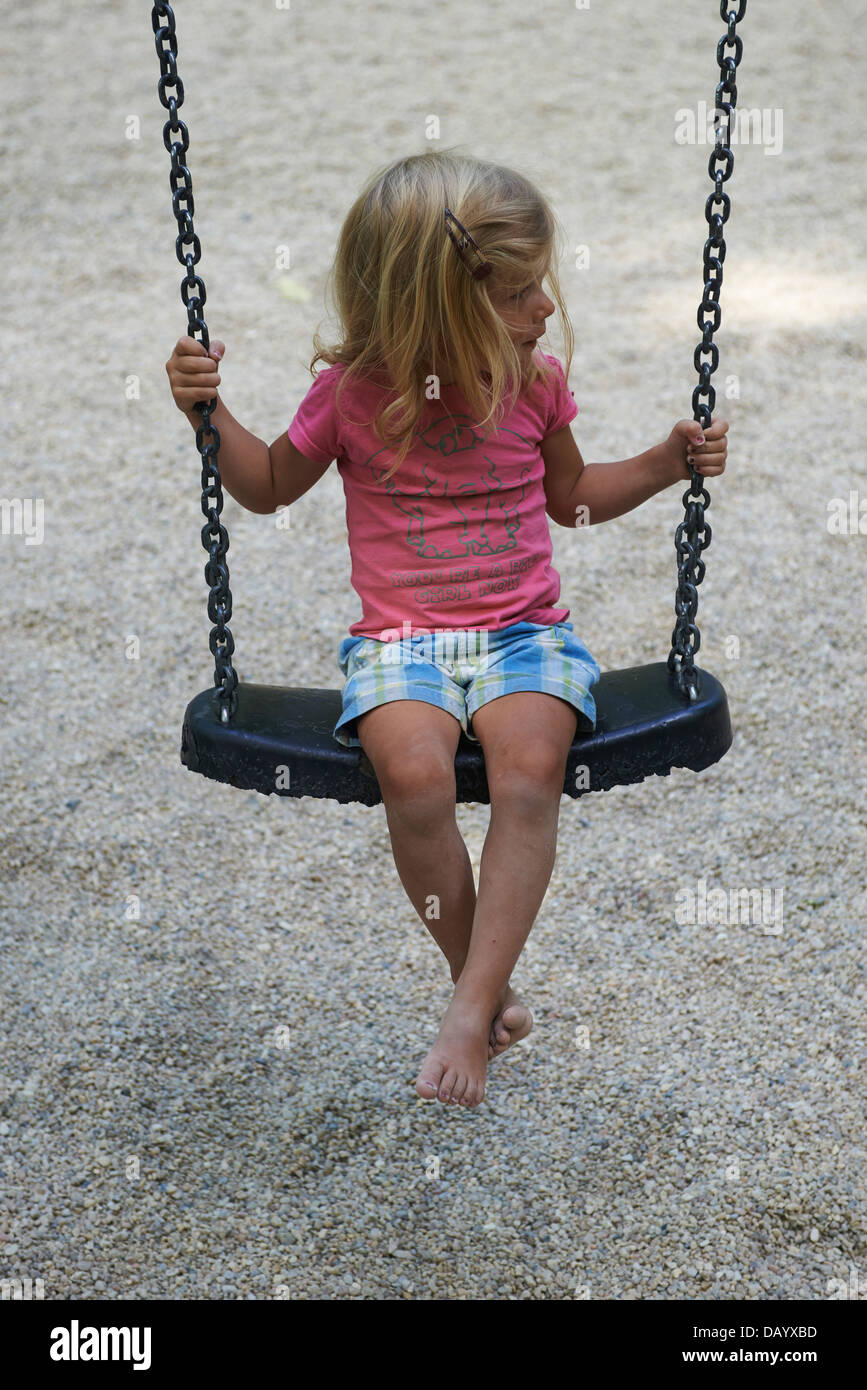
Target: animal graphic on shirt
(486, 511)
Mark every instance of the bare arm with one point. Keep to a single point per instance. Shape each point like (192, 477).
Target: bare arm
(607, 490)
(259, 476)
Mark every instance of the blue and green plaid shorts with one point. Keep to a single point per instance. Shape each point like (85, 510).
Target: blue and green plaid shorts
(459, 670)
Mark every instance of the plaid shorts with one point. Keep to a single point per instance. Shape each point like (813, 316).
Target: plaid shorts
(459, 670)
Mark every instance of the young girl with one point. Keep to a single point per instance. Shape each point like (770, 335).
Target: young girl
(451, 433)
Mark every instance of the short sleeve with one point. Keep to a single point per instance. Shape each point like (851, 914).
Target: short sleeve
(560, 402)
(315, 425)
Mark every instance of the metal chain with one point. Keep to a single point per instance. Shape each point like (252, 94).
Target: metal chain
(693, 535)
(215, 537)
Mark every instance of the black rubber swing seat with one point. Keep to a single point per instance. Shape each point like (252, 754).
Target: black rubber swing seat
(280, 741)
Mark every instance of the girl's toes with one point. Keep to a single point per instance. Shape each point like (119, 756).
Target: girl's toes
(447, 1085)
(428, 1085)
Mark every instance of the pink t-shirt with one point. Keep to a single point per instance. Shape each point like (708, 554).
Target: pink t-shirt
(458, 536)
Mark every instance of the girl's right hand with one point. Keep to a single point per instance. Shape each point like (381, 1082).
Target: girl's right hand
(192, 374)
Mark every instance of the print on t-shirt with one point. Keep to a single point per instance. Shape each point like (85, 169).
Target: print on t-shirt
(486, 512)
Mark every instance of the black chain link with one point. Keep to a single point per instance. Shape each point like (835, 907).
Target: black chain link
(693, 535)
(215, 537)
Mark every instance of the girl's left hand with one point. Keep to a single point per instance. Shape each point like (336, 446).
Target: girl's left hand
(707, 457)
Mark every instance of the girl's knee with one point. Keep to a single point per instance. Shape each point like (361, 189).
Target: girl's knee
(534, 774)
(418, 783)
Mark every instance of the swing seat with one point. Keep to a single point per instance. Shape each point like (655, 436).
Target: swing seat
(280, 741)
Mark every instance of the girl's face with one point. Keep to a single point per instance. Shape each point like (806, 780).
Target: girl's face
(524, 312)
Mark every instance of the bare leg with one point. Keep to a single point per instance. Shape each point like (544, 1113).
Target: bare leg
(411, 746)
(526, 738)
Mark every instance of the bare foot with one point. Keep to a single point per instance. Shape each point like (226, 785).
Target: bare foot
(454, 1069)
(512, 1023)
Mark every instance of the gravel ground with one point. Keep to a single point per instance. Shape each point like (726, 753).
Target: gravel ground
(215, 1004)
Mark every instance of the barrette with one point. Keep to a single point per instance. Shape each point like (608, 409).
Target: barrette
(484, 267)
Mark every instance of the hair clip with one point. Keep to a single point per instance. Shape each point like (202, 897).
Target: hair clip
(484, 267)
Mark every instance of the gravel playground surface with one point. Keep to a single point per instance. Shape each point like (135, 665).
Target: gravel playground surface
(215, 1004)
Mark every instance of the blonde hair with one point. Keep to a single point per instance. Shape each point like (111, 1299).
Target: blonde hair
(406, 302)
